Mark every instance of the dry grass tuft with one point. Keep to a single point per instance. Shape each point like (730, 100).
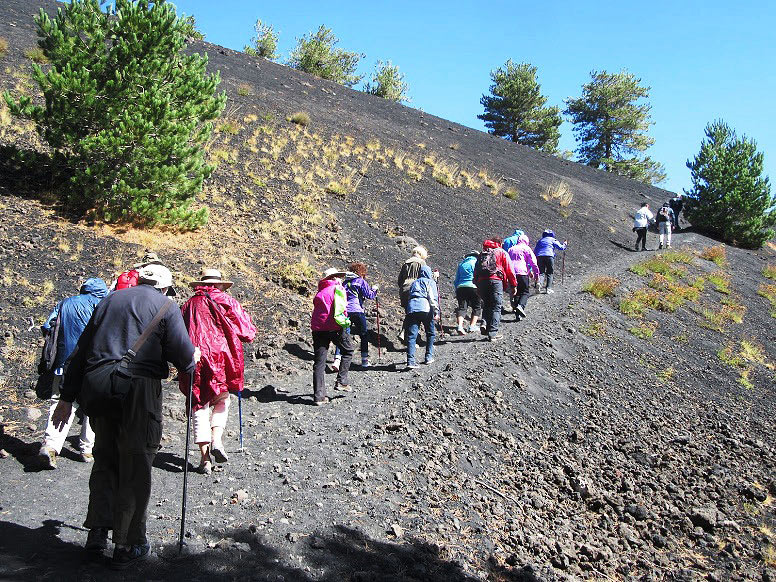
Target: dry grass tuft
(559, 191)
(769, 271)
(596, 329)
(244, 89)
(36, 55)
(769, 292)
(3, 46)
(644, 330)
(601, 287)
(299, 118)
(715, 254)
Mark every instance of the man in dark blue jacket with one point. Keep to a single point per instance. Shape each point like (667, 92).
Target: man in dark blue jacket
(70, 316)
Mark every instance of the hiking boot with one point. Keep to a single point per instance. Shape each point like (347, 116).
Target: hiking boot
(219, 454)
(342, 387)
(495, 337)
(324, 400)
(484, 330)
(48, 457)
(87, 458)
(550, 291)
(429, 361)
(412, 366)
(96, 542)
(460, 331)
(364, 362)
(124, 556)
(660, 246)
(335, 365)
(520, 310)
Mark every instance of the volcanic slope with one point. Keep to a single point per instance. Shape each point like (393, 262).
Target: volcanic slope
(628, 436)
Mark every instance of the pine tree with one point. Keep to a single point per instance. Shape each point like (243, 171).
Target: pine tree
(516, 109)
(388, 83)
(316, 54)
(265, 43)
(126, 111)
(729, 197)
(610, 126)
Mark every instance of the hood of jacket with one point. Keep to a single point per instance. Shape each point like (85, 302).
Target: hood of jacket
(523, 240)
(425, 271)
(324, 283)
(94, 286)
(548, 232)
(489, 244)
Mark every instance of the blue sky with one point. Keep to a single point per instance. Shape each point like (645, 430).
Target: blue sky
(704, 60)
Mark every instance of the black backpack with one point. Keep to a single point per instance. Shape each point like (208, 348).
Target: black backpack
(486, 265)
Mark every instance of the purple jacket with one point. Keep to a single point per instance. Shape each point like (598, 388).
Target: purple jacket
(523, 258)
(358, 291)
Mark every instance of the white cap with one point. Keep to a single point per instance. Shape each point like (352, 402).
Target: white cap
(157, 276)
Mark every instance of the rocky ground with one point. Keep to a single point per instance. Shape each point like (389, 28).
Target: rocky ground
(589, 444)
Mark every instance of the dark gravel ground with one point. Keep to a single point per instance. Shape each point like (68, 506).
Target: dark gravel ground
(568, 451)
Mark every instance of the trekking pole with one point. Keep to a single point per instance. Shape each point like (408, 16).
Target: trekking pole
(186, 461)
(377, 306)
(239, 414)
(563, 267)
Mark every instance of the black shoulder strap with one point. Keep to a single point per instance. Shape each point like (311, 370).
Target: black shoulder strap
(132, 352)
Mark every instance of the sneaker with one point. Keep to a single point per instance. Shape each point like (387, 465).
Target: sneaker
(520, 310)
(124, 556)
(205, 467)
(550, 291)
(412, 366)
(364, 362)
(87, 458)
(96, 541)
(48, 457)
(660, 246)
(495, 337)
(460, 331)
(336, 363)
(429, 361)
(342, 387)
(219, 454)
(484, 330)
(321, 402)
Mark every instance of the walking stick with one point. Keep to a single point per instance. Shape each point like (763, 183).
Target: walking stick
(239, 414)
(377, 306)
(563, 267)
(186, 461)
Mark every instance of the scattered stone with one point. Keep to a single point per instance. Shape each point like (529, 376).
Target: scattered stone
(33, 414)
(397, 530)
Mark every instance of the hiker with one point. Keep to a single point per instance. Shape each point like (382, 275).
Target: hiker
(70, 317)
(358, 291)
(492, 273)
(410, 271)
(218, 325)
(127, 435)
(676, 203)
(665, 221)
(640, 225)
(128, 279)
(422, 309)
(328, 323)
(466, 293)
(511, 241)
(545, 257)
(525, 265)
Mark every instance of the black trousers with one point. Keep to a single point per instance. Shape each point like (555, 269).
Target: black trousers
(124, 451)
(641, 237)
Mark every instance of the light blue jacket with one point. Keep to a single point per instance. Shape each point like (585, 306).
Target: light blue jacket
(464, 276)
(424, 296)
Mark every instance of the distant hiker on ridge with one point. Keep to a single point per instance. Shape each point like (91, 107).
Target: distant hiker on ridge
(218, 325)
(410, 270)
(665, 221)
(492, 273)
(676, 203)
(545, 256)
(422, 309)
(328, 323)
(466, 293)
(511, 241)
(525, 266)
(640, 225)
(67, 321)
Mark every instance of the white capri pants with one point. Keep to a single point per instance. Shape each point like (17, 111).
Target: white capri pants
(209, 417)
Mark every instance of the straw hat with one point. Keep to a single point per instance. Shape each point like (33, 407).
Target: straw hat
(158, 276)
(149, 259)
(212, 277)
(333, 272)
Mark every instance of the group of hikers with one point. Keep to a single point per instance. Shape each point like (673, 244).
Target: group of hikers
(482, 278)
(667, 220)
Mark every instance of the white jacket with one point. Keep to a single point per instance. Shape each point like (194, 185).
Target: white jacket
(643, 217)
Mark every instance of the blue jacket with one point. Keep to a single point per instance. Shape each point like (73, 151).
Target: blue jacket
(547, 245)
(74, 313)
(511, 241)
(464, 276)
(424, 297)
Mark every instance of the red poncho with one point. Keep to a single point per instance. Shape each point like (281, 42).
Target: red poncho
(217, 325)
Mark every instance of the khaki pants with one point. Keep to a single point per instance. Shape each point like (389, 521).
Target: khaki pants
(124, 451)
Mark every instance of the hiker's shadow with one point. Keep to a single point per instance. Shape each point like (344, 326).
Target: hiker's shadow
(628, 248)
(33, 554)
(25, 453)
(270, 393)
(299, 351)
(170, 462)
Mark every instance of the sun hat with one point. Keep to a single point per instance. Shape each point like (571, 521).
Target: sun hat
(149, 259)
(212, 277)
(333, 272)
(158, 276)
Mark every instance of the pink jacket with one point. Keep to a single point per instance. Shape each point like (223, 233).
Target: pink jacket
(523, 258)
(329, 307)
(218, 325)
